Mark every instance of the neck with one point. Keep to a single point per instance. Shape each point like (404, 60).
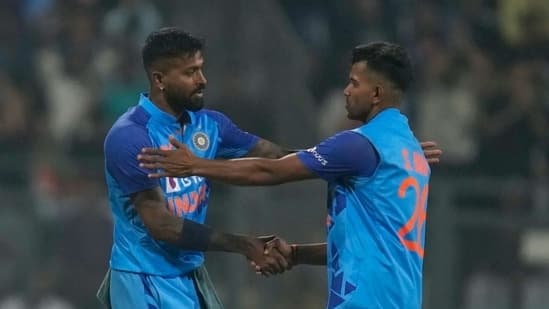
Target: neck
(158, 99)
(376, 110)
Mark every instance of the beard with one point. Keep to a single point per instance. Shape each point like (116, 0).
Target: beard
(178, 101)
(357, 111)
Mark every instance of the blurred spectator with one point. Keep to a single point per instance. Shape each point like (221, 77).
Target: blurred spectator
(122, 85)
(514, 124)
(118, 61)
(314, 24)
(481, 17)
(69, 85)
(446, 104)
(131, 20)
(525, 24)
(14, 122)
(14, 51)
(367, 20)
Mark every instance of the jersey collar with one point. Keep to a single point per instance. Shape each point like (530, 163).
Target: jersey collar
(161, 116)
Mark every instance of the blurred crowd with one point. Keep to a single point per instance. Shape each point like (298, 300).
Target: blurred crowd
(69, 68)
(482, 72)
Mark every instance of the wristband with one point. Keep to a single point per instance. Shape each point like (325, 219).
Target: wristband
(294, 253)
(194, 236)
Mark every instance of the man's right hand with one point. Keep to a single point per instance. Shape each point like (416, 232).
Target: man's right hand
(276, 248)
(266, 262)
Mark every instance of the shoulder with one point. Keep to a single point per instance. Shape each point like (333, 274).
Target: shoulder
(129, 130)
(343, 148)
(347, 140)
(342, 155)
(216, 116)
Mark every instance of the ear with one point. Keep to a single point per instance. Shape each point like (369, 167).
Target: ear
(157, 79)
(378, 93)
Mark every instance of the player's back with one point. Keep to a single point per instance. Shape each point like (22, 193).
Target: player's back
(375, 234)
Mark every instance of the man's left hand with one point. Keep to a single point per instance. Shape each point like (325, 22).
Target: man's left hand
(431, 151)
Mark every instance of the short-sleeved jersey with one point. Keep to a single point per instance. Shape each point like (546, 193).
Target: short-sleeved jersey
(208, 134)
(376, 213)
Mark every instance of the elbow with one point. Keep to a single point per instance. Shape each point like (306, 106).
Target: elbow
(156, 231)
(163, 230)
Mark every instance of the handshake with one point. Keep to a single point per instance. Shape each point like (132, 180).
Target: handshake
(270, 255)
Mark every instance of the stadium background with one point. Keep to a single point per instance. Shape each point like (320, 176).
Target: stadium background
(277, 68)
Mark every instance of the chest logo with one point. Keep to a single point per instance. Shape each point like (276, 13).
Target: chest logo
(201, 140)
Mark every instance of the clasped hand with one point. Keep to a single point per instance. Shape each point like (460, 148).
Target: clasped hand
(273, 257)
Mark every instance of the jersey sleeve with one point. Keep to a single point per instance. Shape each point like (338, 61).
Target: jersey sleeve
(122, 146)
(234, 143)
(342, 155)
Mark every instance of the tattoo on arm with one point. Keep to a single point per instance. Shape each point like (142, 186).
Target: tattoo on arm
(184, 233)
(151, 207)
(267, 149)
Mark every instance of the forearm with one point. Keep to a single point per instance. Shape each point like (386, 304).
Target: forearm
(228, 242)
(190, 235)
(162, 225)
(259, 172)
(268, 149)
(310, 254)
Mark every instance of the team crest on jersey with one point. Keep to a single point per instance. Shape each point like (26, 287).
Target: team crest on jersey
(201, 140)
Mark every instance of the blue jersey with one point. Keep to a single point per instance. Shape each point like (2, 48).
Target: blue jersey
(376, 213)
(207, 134)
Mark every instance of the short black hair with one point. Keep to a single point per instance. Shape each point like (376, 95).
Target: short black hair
(169, 43)
(387, 59)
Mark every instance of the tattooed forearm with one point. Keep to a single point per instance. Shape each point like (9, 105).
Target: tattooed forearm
(267, 149)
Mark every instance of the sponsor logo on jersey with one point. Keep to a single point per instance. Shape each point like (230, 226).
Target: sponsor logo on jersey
(172, 185)
(317, 156)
